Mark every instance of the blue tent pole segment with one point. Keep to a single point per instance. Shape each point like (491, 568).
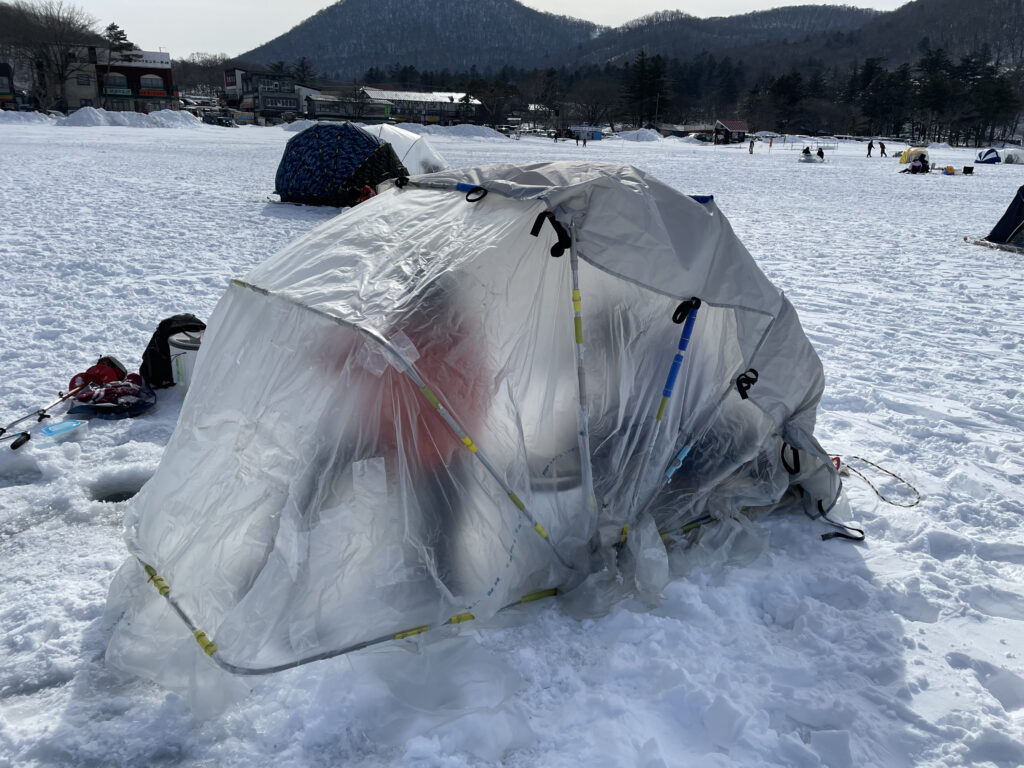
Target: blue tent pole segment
(686, 313)
(473, 192)
(690, 309)
(677, 462)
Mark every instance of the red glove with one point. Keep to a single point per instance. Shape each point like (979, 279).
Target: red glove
(99, 375)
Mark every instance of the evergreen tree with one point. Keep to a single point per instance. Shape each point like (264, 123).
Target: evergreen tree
(303, 71)
(119, 48)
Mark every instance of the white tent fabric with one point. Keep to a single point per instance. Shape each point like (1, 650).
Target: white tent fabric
(414, 151)
(418, 412)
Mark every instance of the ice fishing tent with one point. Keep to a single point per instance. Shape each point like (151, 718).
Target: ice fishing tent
(1012, 156)
(413, 150)
(910, 154)
(462, 391)
(330, 163)
(988, 157)
(1009, 230)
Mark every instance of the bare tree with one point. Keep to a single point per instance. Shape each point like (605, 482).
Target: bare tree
(201, 73)
(592, 101)
(53, 37)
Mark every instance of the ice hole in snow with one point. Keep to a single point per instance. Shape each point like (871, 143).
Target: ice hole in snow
(113, 487)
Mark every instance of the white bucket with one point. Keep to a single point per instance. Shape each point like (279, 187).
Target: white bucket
(184, 348)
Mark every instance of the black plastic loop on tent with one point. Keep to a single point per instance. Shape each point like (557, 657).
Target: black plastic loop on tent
(564, 241)
(847, 532)
(684, 309)
(793, 469)
(476, 194)
(745, 381)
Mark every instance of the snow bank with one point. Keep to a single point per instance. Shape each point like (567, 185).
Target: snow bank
(8, 117)
(298, 126)
(644, 134)
(165, 118)
(684, 140)
(455, 131)
(939, 145)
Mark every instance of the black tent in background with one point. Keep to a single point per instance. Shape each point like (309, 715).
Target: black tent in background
(329, 164)
(1009, 231)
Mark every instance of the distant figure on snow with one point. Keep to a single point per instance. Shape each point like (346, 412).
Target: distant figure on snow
(751, 146)
(871, 145)
(821, 153)
(584, 142)
(918, 165)
(807, 151)
(881, 148)
(578, 140)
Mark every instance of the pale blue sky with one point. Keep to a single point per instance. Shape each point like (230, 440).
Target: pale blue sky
(182, 27)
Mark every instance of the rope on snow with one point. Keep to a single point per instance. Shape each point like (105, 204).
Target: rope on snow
(879, 494)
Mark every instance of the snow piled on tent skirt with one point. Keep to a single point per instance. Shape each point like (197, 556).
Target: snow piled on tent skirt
(767, 648)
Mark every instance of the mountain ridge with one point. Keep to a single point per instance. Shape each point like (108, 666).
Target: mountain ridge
(346, 39)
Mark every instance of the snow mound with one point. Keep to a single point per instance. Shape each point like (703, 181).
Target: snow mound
(9, 117)
(644, 134)
(939, 145)
(298, 125)
(169, 118)
(165, 118)
(682, 140)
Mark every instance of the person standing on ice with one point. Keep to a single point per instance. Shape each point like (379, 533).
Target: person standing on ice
(881, 149)
(821, 153)
(871, 145)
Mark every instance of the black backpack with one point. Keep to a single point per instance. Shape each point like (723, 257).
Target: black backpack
(156, 360)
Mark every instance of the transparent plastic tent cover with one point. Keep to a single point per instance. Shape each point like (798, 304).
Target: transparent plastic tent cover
(413, 150)
(416, 412)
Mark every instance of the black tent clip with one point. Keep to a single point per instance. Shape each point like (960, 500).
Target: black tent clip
(745, 381)
(684, 309)
(564, 241)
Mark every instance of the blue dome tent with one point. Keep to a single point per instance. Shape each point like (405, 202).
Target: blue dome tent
(330, 164)
(988, 157)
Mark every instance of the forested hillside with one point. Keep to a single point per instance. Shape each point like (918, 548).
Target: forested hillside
(351, 36)
(940, 69)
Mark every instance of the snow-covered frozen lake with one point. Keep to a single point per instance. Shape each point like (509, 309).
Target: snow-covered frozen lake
(770, 648)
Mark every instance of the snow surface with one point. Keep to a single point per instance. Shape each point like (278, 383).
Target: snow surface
(768, 648)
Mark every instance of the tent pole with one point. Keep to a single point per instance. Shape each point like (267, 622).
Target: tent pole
(583, 411)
